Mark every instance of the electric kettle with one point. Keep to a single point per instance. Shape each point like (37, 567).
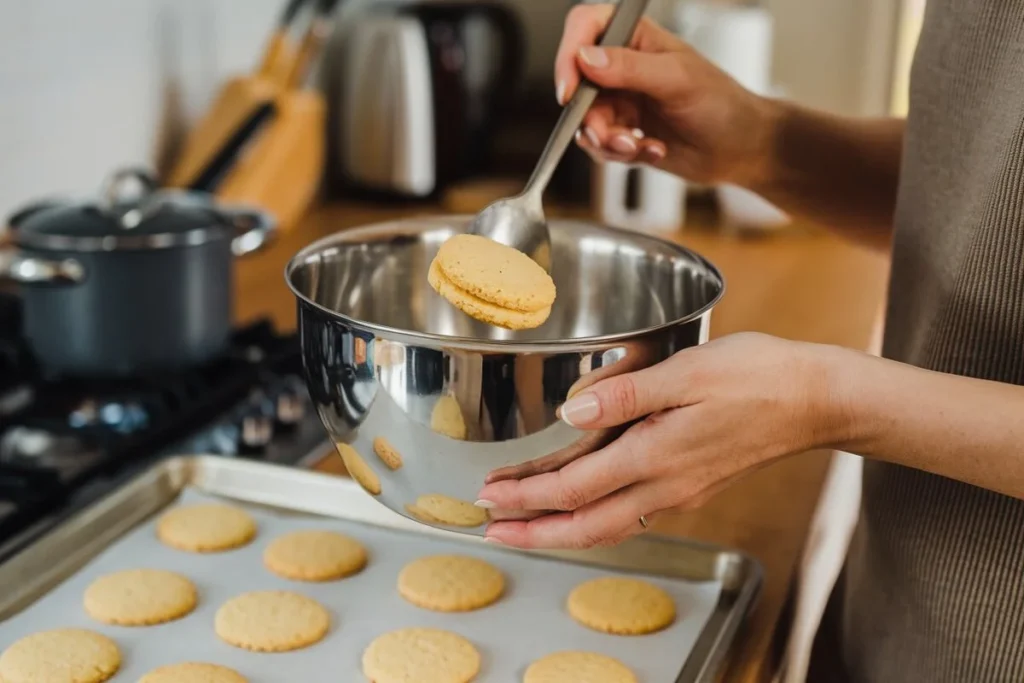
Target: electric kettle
(421, 88)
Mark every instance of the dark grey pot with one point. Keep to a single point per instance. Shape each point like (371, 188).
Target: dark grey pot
(158, 295)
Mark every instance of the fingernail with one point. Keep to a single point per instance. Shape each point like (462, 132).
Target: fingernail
(579, 136)
(581, 410)
(592, 137)
(657, 153)
(486, 504)
(492, 539)
(638, 134)
(623, 144)
(594, 56)
(560, 92)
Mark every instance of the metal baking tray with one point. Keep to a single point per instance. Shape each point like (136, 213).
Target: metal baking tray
(58, 564)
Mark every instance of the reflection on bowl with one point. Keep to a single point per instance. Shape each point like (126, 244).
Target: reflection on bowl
(359, 470)
(387, 453)
(446, 418)
(436, 508)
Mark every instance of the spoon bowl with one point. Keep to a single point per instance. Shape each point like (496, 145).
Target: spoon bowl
(520, 223)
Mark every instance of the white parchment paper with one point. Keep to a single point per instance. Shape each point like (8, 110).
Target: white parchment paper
(527, 623)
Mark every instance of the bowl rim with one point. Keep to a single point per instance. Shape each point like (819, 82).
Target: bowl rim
(496, 345)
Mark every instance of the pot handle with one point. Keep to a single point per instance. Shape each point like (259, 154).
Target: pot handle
(29, 270)
(255, 228)
(114, 191)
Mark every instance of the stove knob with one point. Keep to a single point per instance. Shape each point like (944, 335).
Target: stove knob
(256, 431)
(289, 408)
(224, 439)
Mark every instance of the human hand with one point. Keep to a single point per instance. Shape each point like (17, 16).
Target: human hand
(663, 104)
(710, 415)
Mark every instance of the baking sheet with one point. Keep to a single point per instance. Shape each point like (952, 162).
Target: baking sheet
(527, 623)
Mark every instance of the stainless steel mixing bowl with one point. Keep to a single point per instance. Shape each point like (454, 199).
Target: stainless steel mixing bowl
(387, 358)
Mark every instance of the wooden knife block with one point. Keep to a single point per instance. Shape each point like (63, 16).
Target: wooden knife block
(233, 105)
(281, 169)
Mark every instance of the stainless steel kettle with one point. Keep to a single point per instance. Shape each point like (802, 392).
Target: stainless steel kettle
(419, 90)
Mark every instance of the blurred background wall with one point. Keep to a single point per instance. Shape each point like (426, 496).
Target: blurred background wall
(87, 85)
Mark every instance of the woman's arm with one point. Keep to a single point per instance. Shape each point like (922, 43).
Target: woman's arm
(839, 171)
(962, 428)
(664, 104)
(722, 410)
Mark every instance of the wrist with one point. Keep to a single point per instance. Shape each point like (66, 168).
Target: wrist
(838, 416)
(763, 170)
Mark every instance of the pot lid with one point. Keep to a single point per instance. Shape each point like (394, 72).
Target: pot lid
(120, 219)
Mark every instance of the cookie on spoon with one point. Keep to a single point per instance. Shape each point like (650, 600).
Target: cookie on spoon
(492, 282)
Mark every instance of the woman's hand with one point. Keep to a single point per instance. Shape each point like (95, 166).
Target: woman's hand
(663, 104)
(716, 412)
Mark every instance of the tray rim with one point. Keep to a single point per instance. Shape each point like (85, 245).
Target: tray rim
(31, 573)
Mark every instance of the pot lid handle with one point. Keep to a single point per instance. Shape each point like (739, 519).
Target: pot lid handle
(114, 193)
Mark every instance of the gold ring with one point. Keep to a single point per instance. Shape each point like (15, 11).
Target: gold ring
(643, 521)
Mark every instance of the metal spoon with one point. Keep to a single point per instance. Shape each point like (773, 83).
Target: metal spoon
(519, 221)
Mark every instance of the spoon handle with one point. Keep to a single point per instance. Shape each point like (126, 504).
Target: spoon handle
(618, 34)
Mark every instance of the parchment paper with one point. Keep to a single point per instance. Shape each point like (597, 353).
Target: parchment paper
(527, 623)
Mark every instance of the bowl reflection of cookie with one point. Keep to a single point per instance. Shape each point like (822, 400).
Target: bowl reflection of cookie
(359, 470)
(387, 453)
(447, 418)
(436, 508)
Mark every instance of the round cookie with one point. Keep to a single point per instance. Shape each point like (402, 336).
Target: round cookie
(446, 418)
(421, 655)
(621, 606)
(450, 583)
(387, 453)
(496, 273)
(578, 667)
(482, 310)
(193, 672)
(206, 527)
(271, 621)
(437, 508)
(359, 470)
(140, 597)
(67, 655)
(314, 556)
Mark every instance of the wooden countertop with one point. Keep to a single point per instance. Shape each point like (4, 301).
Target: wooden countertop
(797, 283)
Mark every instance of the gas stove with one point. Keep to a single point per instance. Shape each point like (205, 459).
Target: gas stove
(65, 442)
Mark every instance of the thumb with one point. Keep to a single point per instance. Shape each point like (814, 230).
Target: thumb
(625, 398)
(656, 74)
